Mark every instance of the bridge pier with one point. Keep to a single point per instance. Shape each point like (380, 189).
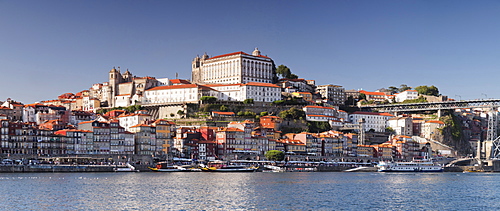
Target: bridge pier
(439, 113)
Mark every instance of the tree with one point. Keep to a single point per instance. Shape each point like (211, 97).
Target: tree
(392, 89)
(293, 76)
(223, 108)
(248, 101)
(292, 113)
(362, 96)
(427, 90)
(275, 155)
(264, 113)
(208, 99)
(283, 71)
(403, 88)
(180, 113)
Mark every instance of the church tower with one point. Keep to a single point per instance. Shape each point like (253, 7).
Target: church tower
(115, 78)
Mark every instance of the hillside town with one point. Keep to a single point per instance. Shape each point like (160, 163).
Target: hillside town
(236, 106)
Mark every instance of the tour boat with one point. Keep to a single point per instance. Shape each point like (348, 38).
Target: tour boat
(225, 167)
(411, 166)
(126, 168)
(164, 167)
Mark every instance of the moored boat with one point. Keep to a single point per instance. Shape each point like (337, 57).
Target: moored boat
(411, 166)
(164, 167)
(226, 167)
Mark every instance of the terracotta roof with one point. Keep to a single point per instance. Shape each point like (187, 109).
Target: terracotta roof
(179, 81)
(435, 121)
(223, 113)
(320, 107)
(183, 86)
(261, 84)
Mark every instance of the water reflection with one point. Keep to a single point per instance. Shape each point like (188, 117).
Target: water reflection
(244, 191)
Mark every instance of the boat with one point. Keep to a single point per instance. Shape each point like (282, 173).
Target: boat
(411, 166)
(168, 169)
(126, 168)
(164, 167)
(220, 166)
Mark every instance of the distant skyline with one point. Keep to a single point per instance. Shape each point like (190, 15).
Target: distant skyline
(52, 47)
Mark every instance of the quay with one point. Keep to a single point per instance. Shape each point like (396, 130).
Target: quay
(64, 168)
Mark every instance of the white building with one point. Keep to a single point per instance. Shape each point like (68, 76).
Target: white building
(402, 125)
(406, 95)
(375, 121)
(430, 127)
(320, 113)
(189, 93)
(127, 121)
(334, 93)
(232, 68)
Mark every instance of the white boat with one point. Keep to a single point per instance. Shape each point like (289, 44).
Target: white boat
(411, 166)
(128, 168)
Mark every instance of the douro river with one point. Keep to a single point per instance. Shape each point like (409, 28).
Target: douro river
(250, 191)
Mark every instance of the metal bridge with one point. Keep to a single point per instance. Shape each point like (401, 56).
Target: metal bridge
(492, 104)
(437, 106)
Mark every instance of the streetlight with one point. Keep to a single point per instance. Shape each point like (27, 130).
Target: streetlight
(459, 97)
(485, 96)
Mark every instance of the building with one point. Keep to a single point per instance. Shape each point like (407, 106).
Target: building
(320, 113)
(401, 125)
(334, 93)
(233, 68)
(406, 95)
(372, 120)
(377, 96)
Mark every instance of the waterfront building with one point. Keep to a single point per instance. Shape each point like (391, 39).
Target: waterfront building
(228, 140)
(164, 133)
(406, 147)
(366, 151)
(385, 151)
(101, 134)
(233, 68)
(76, 142)
(334, 93)
(145, 139)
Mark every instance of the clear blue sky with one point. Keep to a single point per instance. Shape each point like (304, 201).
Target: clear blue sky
(52, 47)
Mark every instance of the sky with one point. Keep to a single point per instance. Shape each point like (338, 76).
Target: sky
(52, 47)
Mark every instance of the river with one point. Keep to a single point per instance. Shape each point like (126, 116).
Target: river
(250, 191)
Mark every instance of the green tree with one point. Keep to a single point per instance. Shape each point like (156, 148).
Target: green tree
(275, 155)
(264, 113)
(403, 88)
(318, 127)
(248, 101)
(292, 113)
(208, 99)
(393, 89)
(223, 108)
(428, 90)
(283, 71)
(293, 76)
(362, 96)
